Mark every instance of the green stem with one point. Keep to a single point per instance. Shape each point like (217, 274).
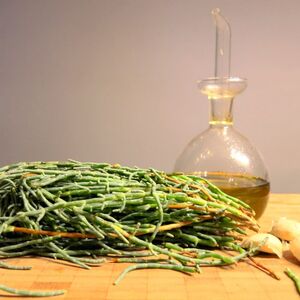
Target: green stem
(294, 277)
(31, 293)
(173, 267)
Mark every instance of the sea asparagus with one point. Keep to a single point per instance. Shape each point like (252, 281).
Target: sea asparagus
(72, 209)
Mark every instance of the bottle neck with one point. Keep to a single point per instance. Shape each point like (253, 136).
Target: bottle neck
(221, 112)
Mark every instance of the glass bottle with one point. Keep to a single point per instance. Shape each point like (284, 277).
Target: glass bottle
(223, 155)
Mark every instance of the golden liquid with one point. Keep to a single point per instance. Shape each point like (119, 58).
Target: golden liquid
(252, 190)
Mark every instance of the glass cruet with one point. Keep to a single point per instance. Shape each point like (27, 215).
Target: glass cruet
(221, 154)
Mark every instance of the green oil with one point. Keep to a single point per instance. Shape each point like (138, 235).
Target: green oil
(252, 190)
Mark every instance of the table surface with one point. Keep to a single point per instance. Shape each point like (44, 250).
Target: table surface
(242, 281)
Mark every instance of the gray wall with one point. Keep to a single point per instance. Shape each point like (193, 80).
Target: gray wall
(116, 80)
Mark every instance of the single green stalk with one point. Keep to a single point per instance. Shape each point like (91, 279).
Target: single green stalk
(294, 277)
(173, 267)
(28, 293)
(11, 267)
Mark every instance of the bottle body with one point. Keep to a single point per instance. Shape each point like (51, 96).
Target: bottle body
(226, 158)
(223, 155)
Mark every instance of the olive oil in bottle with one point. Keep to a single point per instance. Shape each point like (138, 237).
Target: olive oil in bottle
(252, 190)
(221, 153)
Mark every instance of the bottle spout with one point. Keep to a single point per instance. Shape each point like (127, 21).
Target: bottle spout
(223, 44)
(222, 85)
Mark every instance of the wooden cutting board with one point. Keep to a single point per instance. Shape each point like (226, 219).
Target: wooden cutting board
(242, 281)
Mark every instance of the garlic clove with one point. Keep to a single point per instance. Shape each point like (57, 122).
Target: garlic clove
(269, 243)
(286, 229)
(295, 247)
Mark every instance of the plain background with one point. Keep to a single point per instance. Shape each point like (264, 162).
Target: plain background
(116, 80)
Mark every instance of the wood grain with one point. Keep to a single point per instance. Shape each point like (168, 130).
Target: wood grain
(239, 282)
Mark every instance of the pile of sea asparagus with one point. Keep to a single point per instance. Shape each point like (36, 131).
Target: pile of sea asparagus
(82, 212)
